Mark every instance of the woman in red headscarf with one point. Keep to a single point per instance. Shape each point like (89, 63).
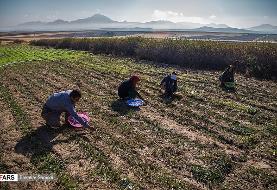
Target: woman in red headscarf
(127, 89)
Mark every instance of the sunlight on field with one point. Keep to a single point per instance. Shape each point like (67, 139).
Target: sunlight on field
(206, 139)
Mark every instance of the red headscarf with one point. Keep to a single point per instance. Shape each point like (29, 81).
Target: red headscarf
(134, 79)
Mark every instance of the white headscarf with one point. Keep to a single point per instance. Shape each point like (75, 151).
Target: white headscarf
(173, 77)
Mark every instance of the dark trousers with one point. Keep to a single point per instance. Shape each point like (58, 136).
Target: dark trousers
(169, 91)
(53, 117)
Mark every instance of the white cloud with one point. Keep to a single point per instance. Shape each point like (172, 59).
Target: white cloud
(177, 17)
(212, 17)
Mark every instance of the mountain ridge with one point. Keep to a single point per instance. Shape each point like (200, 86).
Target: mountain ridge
(98, 21)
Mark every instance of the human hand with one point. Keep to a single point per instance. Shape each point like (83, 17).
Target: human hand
(89, 127)
(92, 128)
(146, 102)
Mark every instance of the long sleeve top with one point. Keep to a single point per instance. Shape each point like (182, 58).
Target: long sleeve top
(61, 102)
(169, 83)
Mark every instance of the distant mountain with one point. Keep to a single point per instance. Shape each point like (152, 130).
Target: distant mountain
(159, 24)
(213, 25)
(58, 22)
(165, 24)
(97, 18)
(99, 21)
(32, 23)
(189, 25)
(96, 21)
(225, 30)
(128, 29)
(268, 28)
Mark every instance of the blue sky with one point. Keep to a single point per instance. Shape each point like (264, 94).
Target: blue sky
(236, 13)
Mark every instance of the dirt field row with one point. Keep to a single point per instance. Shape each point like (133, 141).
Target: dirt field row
(206, 138)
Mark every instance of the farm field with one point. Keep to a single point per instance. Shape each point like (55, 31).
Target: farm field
(21, 53)
(206, 138)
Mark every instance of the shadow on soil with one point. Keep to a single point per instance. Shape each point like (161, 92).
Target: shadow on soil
(122, 108)
(40, 141)
(167, 100)
(228, 90)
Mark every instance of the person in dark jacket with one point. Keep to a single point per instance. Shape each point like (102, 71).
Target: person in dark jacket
(127, 89)
(227, 77)
(169, 84)
(59, 103)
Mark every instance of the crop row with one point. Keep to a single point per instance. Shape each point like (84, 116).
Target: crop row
(23, 53)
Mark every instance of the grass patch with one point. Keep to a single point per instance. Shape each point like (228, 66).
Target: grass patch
(271, 129)
(21, 117)
(235, 105)
(206, 175)
(268, 180)
(172, 183)
(215, 173)
(238, 129)
(11, 54)
(103, 168)
(250, 141)
(49, 163)
(106, 65)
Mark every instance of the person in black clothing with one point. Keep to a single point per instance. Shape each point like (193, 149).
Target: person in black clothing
(169, 84)
(227, 77)
(127, 89)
